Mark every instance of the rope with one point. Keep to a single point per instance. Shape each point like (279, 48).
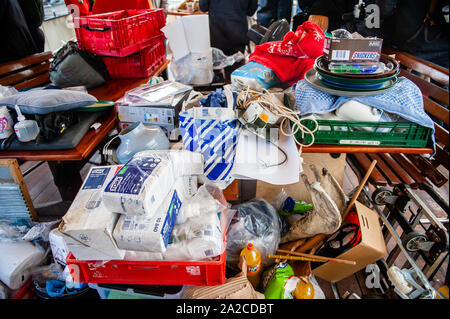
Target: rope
(265, 99)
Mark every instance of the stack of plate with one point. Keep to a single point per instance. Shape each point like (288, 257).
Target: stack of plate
(346, 84)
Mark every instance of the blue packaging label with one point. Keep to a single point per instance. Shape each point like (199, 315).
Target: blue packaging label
(358, 55)
(131, 178)
(169, 222)
(96, 178)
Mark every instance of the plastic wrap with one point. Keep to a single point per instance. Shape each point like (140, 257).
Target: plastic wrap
(40, 231)
(13, 230)
(257, 222)
(208, 199)
(194, 69)
(220, 60)
(152, 231)
(200, 237)
(145, 180)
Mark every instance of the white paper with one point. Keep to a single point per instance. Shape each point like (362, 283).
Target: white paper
(196, 29)
(252, 152)
(189, 34)
(174, 32)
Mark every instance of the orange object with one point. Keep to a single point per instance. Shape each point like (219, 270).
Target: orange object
(304, 289)
(102, 6)
(253, 259)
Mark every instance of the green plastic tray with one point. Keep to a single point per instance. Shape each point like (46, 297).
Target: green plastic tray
(402, 134)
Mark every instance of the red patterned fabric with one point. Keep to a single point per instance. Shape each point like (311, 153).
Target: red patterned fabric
(291, 58)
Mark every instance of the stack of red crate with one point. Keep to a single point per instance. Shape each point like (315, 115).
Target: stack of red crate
(130, 42)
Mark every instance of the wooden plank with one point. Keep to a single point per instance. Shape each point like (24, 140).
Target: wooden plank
(441, 134)
(14, 66)
(397, 169)
(376, 177)
(34, 82)
(410, 168)
(436, 110)
(427, 169)
(18, 179)
(25, 74)
(441, 157)
(385, 170)
(436, 72)
(427, 88)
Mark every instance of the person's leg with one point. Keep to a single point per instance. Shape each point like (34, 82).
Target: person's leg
(284, 10)
(267, 12)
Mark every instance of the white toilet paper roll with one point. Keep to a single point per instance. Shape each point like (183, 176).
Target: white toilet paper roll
(196, 28)
(356, 111)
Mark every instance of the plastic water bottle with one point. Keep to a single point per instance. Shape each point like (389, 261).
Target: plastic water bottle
(26, 130)
(253, 259)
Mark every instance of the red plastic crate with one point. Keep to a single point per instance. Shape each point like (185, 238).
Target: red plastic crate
(119, 33)
(149, 272)
(138, 65)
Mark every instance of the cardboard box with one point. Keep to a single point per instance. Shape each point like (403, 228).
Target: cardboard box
(352, 50)
(58, 246)
(88, 224)
(163, 115)
(371, 248)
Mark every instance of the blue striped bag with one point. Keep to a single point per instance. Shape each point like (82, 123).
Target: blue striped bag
(216, 140)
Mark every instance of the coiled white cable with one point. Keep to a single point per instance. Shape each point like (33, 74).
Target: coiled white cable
(265, 99)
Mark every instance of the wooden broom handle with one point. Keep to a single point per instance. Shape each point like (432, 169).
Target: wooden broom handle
(358, 191)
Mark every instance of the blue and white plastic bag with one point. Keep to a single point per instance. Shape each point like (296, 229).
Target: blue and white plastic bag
(215, 136)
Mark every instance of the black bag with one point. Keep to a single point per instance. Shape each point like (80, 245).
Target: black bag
(74, 67)
(54, 124)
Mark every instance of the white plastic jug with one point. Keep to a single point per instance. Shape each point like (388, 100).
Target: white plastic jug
(26, 130)
(140, 137)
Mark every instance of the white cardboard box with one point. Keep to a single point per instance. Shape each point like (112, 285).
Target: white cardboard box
(88, 224)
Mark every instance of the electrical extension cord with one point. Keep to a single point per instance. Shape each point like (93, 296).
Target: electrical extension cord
(265, 100)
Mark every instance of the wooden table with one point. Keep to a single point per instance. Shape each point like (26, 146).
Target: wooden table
(112, 91)
(65, 165)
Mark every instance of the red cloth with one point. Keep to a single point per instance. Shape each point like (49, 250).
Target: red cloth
(291, 58)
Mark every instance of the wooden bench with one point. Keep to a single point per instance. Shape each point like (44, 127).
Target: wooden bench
(417, 170)
(28, 72)
(398, 177)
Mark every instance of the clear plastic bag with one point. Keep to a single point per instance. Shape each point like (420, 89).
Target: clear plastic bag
(257, 222)
(13, 230)
(194, 68)
(208, 199)
(220, 60)
(40, 231)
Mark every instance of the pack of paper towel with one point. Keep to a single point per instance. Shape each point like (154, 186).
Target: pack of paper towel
(147, 209)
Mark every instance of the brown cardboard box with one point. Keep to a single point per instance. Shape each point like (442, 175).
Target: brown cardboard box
(371, 248)
(352, 50)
